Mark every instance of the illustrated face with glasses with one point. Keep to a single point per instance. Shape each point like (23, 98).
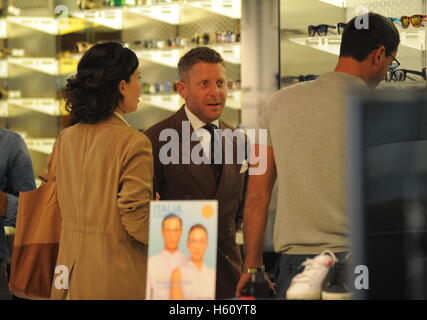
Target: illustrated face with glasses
(416, 20)
(322, 29)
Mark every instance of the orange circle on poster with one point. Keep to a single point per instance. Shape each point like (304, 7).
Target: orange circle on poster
(207, 212)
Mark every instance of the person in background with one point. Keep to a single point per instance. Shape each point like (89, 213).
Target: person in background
(16, 175)
(161, 265)
(305, 152)
(104, 180)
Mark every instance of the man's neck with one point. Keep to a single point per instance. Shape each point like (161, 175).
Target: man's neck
(352, 67)
(198, 264)
(171, 251)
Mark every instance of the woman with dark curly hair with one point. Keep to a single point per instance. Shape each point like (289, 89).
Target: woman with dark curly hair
(104, 180)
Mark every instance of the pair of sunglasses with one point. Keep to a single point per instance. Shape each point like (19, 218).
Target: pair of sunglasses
(416, 20)
(322, 29)
(402, 74)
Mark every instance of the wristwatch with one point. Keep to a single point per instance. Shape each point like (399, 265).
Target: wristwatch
(254, 270)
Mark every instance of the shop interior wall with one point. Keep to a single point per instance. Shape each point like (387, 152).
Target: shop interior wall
(196, 22)
(295, 17)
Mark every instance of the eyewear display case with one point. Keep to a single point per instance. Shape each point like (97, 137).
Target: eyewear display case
(321, 50)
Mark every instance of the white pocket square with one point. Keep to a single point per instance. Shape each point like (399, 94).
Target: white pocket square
(244, 166)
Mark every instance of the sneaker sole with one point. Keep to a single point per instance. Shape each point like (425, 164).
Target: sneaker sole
(312, 296)
(336, 296)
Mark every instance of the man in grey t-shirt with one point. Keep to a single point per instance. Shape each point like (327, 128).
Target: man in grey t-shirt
(305, 152)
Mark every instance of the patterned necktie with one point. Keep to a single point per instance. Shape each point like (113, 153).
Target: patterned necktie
(215, 151)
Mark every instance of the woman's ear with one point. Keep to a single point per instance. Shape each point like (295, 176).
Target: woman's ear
(122, 87)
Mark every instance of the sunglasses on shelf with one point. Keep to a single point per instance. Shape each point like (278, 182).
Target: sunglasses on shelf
(404, 21)
(322, 29)
(402, 74)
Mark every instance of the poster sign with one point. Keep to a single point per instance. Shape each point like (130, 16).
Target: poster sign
(182, 250)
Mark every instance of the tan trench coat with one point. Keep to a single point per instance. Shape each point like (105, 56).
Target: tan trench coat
(104, 185)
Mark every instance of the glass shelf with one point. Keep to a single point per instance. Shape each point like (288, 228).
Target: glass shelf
(230, 52)
(172, 102)
(170, 57)
(338, 3)
(50, 66)
(166, 57)
(46, 106)
(234, 100)
(3, 68)
(50, 25)
(3, 29)
(168, 13)
(329, 44)
(44, 145)
(228, 8)
(414, 39)
(4, 112)
(109, 17)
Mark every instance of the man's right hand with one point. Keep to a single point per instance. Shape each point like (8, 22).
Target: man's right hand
(3, 204)
(244, 279)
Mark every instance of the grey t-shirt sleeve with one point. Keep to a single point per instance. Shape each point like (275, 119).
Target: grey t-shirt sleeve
(263, 136)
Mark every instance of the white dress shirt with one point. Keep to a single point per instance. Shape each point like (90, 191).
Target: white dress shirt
(160, 268)
(197, 284)
(202, 133)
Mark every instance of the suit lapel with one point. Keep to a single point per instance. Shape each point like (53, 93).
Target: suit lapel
(202, 174)
(228, 174)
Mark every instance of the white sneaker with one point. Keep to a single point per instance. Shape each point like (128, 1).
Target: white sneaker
(308, 284)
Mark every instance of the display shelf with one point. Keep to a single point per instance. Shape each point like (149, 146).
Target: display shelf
(44, 145)
(170, 57)
(3, 28)
(329, 44)
(50, 66)
(4, 111)
(234, 100)
(46, 106)
(165, 57)
(3, 68)
(168, 13)
(338, 3)
(413, 38)
(50, 25)
(109, 17)
(171, 102)
(230, 52)
(228, 8)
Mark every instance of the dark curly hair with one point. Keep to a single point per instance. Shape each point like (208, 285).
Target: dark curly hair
(92, 94)
(196, 55)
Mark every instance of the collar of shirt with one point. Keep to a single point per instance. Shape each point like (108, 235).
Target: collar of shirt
(121, 118)
(196, 123)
